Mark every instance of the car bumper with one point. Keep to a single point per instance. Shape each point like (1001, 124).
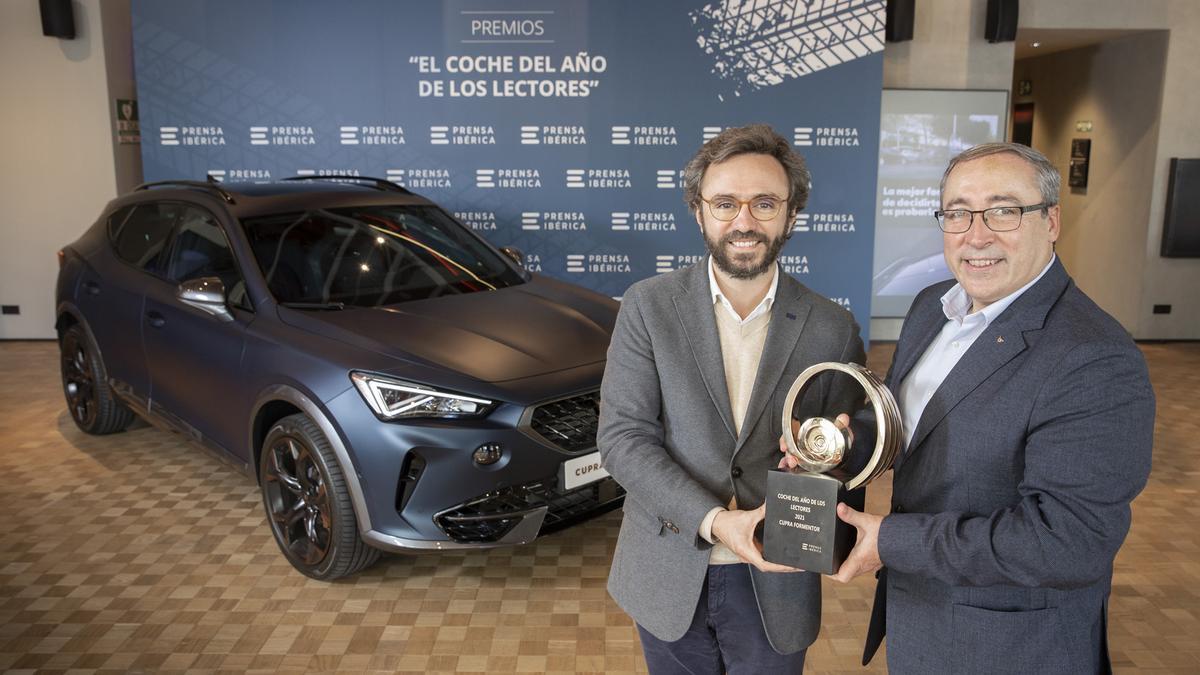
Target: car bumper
(509, 516)
(422, 491)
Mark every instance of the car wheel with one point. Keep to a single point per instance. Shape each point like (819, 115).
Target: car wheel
(85, 383)
(307, 502)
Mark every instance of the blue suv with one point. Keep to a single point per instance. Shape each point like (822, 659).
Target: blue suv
(391, 380)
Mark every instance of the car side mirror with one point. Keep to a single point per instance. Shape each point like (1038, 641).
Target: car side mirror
(206, 294)
(514, 253)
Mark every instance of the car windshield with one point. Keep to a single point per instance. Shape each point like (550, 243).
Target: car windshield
(368, 256)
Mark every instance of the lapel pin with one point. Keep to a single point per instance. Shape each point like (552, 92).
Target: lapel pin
(791, 316)
(999, 339)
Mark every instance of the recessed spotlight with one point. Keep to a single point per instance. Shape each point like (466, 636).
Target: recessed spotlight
(1035, 45)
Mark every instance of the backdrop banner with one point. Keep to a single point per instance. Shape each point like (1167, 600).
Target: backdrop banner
(560, 127)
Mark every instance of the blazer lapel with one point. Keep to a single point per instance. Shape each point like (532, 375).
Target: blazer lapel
(981, 360)
(694, 305)
(788, 315)
(996, 346)
(923, 334)
(918, 333)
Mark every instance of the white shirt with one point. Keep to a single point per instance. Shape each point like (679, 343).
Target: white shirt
(762, 308)
(957, 336)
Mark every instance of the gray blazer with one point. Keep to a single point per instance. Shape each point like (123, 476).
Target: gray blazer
(1013, 497)
(666, 434)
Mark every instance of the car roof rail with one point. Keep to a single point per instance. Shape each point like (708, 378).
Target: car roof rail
(210, 185)
(377, 183)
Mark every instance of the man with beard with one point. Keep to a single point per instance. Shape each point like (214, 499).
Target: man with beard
(698, 368)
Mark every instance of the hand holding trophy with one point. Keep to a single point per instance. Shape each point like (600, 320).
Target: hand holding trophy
(801, 527)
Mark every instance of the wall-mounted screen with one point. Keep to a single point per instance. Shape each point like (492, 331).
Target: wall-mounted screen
(920, 130)
(1181, 222)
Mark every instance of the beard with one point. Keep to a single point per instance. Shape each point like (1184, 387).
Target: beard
(744, 265)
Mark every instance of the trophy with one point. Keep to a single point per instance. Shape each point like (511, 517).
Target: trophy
(801, 527)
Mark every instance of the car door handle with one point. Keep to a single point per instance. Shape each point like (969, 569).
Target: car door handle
(91, 287)
(157, 320)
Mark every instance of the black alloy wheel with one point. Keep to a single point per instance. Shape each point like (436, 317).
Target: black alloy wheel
(299, 500)
(307, 503)
(90, 400)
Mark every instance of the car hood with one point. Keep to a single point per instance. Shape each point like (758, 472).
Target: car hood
(511, 333)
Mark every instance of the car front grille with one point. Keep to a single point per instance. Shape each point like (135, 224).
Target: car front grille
(569, 423)
(489, 517)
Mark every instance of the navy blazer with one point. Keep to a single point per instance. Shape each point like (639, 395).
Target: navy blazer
(1013, 496)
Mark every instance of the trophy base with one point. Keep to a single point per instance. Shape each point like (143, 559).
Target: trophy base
(801, 527)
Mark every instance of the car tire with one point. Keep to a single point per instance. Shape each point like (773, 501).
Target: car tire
(308, 504)
(90, 400)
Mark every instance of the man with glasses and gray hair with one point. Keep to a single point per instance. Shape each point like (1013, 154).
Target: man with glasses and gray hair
(1029, 421)
(693, 392)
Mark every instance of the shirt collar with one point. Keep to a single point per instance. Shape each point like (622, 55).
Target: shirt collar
(718, 297)
(956, 304)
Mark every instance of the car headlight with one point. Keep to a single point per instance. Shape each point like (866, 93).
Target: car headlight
(396, 399)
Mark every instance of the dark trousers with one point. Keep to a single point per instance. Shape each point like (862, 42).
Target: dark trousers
(726, 635)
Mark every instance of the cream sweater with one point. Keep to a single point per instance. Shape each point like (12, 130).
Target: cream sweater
(741, 350)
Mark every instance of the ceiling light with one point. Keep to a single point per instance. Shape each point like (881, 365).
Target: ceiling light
(1035, 44)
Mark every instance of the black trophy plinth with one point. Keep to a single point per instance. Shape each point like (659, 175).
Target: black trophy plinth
(801, 527)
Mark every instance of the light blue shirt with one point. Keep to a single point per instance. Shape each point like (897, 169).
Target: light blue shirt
(957, 336)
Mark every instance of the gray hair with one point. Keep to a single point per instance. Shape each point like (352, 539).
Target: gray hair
(1048, 180)
(755, 139)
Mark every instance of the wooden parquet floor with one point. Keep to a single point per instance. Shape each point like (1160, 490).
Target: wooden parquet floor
(139, 553)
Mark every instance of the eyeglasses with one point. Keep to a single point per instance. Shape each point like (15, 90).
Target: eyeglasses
(997, 219)
(727, 208)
